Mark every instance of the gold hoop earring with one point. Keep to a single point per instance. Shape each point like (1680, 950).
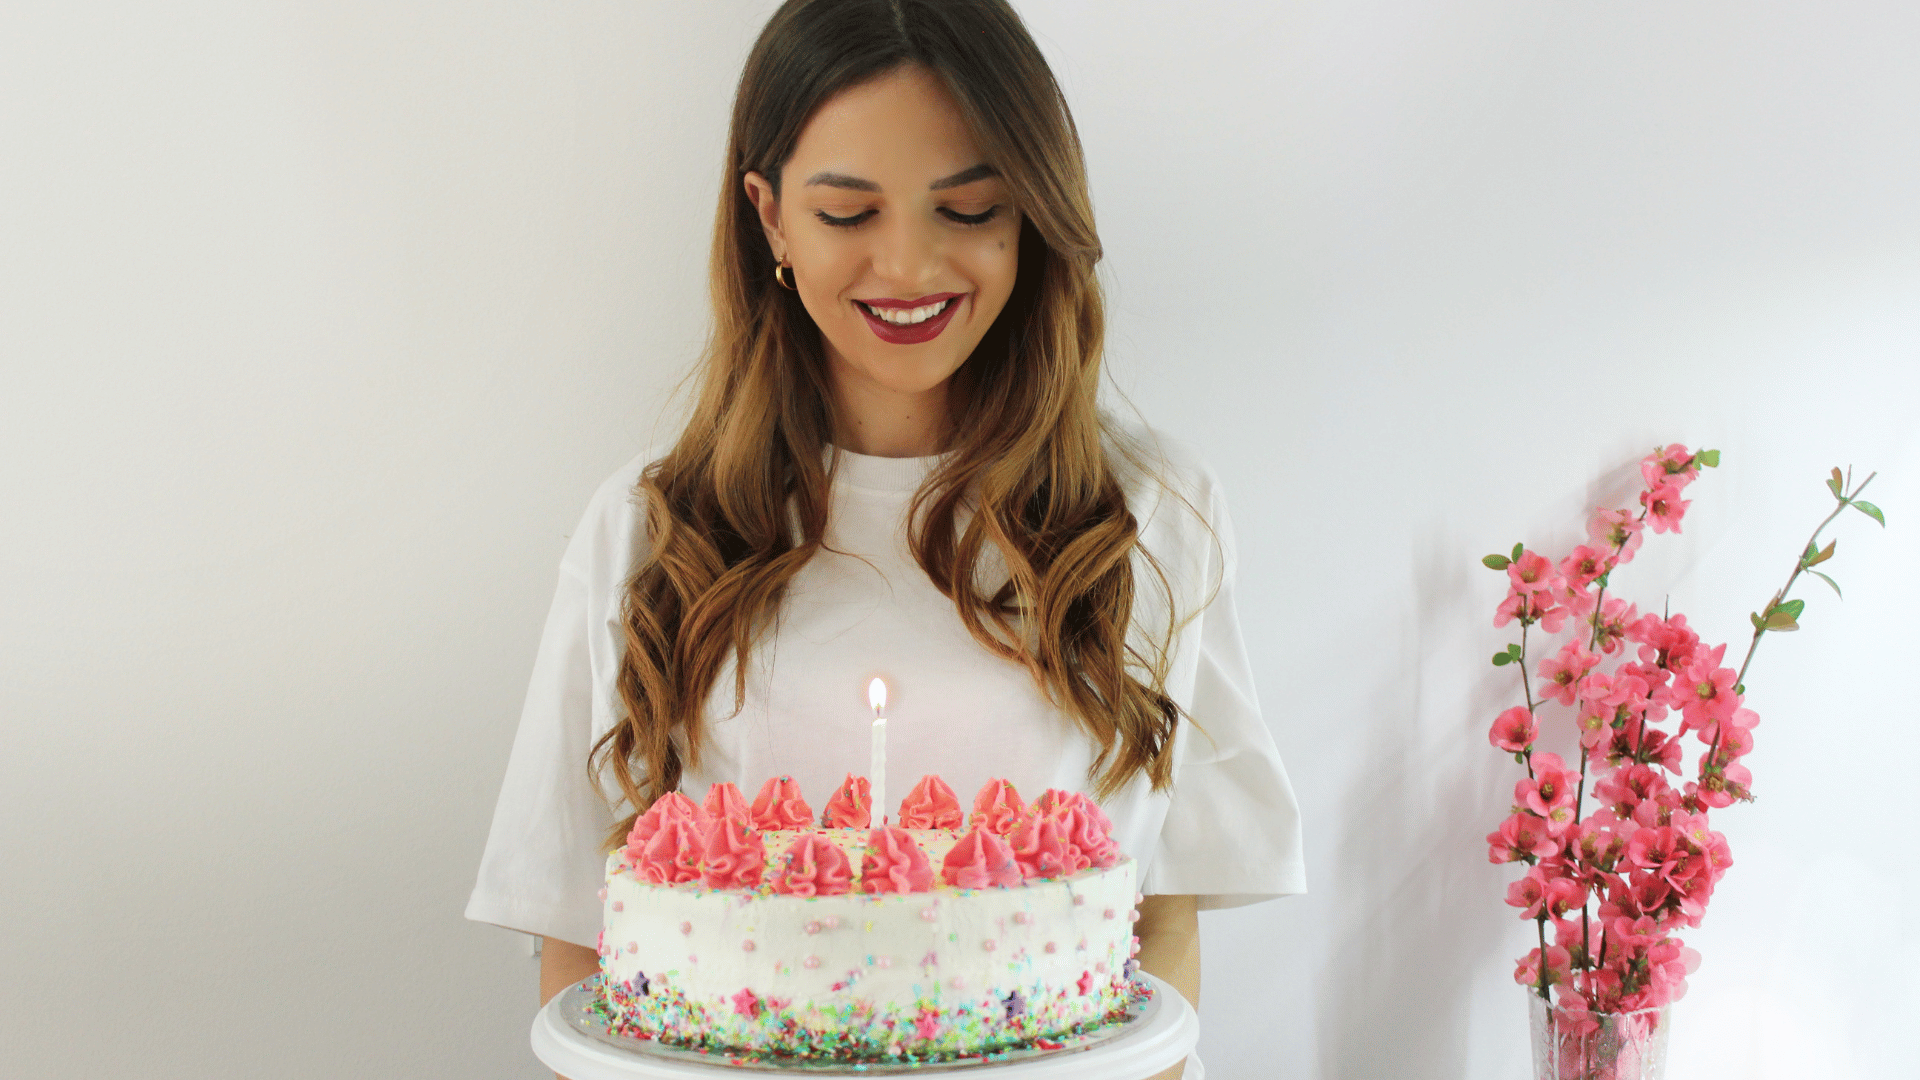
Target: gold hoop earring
(777, 267)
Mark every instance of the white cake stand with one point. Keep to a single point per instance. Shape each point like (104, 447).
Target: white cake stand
(1160, 1036)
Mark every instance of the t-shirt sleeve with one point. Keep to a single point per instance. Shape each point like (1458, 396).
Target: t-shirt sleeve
(1232, 831)
(542, 869)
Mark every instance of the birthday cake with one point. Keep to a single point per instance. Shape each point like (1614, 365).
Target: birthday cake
(752, 929)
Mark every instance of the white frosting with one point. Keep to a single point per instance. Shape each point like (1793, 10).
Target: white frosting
(945, 947)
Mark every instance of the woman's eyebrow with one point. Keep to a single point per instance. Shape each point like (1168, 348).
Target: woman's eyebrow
(854, 183)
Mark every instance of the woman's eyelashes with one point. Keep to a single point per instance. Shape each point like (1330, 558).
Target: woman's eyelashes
(949, 213)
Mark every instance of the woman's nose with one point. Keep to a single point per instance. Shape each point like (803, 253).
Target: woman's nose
(907, 253)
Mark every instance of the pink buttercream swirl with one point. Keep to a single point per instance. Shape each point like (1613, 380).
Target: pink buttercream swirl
(724, 800)
(673, 854)
(668, 807)
(851, 807)
(980, 859)
(736, 854)
(779, 805)
(1042, 848)
(1089, 830)
(997, 808)
(894, 863)
(1050, 800)
(813, 866)
(930, 805)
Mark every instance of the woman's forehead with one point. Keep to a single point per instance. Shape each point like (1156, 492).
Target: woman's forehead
(901, 132)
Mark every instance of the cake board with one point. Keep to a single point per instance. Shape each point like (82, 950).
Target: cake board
(1164, 1033)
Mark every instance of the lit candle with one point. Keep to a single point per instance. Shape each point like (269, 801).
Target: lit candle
(877, 769)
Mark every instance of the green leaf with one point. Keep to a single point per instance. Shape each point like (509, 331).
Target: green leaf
(1830, 581)
(1780, 620)
(1519, 550)
(1501, 659)
(1870, 510)
(1815, 558)
(1496, 562)
(1754, 618)
(1514, 651)
(1835, 481)
(1740, 688)
(1708, 458)
(1519, 758)
(1792, 607)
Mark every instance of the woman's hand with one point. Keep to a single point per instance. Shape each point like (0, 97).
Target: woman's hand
(1169, 932)
(562, 963)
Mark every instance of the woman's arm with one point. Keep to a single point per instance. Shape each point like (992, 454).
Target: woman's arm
(562, 963)
(1169, 932)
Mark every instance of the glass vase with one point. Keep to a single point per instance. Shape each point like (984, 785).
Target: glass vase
(1571, 1044)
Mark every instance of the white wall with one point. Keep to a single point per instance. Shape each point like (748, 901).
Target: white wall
(319, 322)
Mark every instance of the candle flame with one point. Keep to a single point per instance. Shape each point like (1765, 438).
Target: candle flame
(877, 695)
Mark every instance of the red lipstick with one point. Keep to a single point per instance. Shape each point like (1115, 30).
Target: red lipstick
(918, 332)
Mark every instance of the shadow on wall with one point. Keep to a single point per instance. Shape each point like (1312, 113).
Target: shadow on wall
(1422, 916)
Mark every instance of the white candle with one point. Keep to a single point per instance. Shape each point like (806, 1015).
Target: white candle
(877, 768)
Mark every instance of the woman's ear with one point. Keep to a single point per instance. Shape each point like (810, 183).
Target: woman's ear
(768, 206)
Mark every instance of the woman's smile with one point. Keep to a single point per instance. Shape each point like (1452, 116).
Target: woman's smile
(909, 322)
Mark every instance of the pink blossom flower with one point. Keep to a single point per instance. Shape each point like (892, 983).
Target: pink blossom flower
(1553, 785)
(1664, 506)
(1724, 786)
(1737, 740)
(1531, 573)
(1522, 834)
(1564, 895)
(1530, 608)
(1625, 789)
(1704, 692)
(1672, 464)
(1580, 568)
(1659, 850)
(1671, 641)
(1529, 893)
(1564, 671)
(1527, 973)
(1617, 529)
(1610, 626)
(1513, 730)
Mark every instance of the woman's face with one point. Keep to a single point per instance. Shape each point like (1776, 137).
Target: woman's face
(902, 240)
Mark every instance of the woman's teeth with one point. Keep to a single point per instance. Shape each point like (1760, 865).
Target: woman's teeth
(908, 316)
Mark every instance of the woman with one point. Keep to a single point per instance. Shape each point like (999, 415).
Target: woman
(896, 466)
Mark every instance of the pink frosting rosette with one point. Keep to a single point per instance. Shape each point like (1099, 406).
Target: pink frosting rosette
(1042, 848)
(668, 807)
(779, 805)
(724, 801)
(980, 859)
(930, 805)
(736, 854)
(997, 808)
(1089, 830)
(813, 866)
(673, 854)
(894, 863)
(1050, 800)
(851, 807)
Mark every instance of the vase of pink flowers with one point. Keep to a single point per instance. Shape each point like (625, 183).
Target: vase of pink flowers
(1619, 844)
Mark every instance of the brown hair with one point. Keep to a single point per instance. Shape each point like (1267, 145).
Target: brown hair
(1027, 443)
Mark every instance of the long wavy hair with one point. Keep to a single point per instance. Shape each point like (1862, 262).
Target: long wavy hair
(1041, 570)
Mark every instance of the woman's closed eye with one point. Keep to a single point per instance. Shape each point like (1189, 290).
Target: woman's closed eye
(948, 212)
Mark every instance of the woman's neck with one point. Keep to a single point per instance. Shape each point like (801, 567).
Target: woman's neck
(883, 422)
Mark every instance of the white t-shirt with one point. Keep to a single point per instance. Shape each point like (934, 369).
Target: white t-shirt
(1228, 830)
